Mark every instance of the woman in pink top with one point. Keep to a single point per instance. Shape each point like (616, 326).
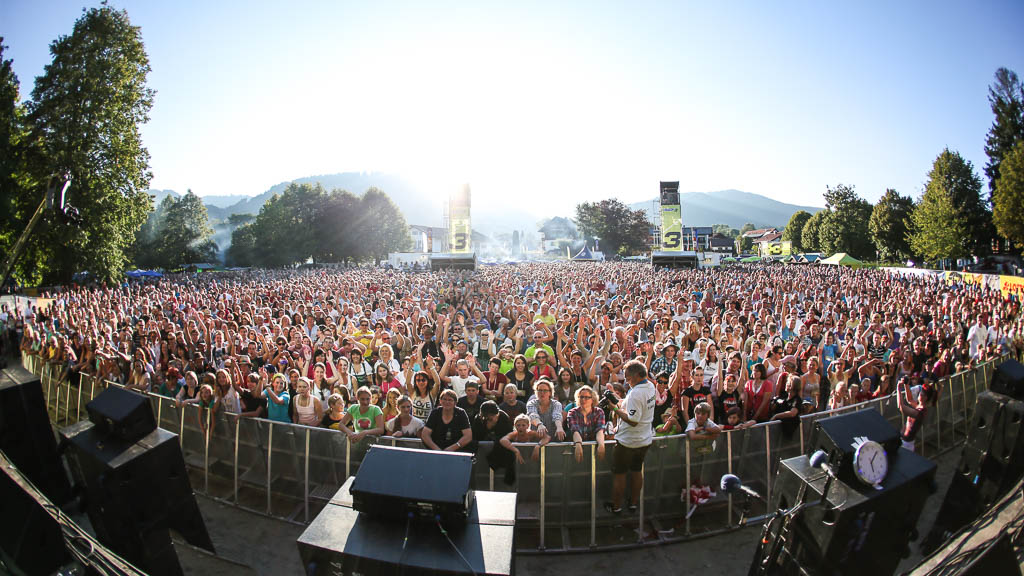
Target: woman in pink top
(757, 395)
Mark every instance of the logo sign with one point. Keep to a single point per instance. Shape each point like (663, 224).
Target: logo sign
(671, 229)
(460, 231)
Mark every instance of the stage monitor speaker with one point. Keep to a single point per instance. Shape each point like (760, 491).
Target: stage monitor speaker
(342, 540)
(859, 529)
(837, 436)
(1008, 379)
(121, 413)
(135, 493)
(396, 482)
(29, 537)
(991, 463)
(26, 435)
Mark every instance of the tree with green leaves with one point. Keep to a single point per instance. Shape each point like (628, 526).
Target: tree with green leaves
(287, 229)
(185, 234)
(1006, 97)
(743, 243)
(795, 229)
(809, 237)
(888, 225)
(844, 227)
(953, 178)
(21, 188)
(620, 229)
(725, 230)
(176, 234)
(341, 221)
(145, 251)
(243, 248)
(86, 111)
(382, 226)
(1008, 199)
(940, 230)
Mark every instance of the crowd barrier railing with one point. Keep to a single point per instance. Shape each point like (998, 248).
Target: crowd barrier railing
(290, 471)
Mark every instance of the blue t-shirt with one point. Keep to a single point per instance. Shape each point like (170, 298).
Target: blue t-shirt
(278, 412)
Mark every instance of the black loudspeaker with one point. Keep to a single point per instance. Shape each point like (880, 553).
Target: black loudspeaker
(29, 536)
(135, 493)
(396, 482)
(837, 437)
(1009, 379)
(122, 414)
(992, 462)
(858, 529)
(26, 436)
(341, 540)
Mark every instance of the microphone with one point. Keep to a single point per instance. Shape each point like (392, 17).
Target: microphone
(731, 484)
(820, 460)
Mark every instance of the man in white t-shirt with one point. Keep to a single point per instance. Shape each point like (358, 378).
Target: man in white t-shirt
(634, 436)
(977, 336)
(463, 374)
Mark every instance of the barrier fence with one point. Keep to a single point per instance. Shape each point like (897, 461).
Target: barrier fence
(291, 471)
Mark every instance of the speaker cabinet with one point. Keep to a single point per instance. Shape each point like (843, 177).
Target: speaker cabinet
(135, 492)
(341, 540)
(122, 414)
(991, 463)
(858, 529)
(1008, 379)
(26, 436)
(29, 536)
(837, 436)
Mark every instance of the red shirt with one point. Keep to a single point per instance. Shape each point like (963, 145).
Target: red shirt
(754, 399)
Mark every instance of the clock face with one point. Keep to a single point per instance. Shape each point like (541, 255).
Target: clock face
(871, 463)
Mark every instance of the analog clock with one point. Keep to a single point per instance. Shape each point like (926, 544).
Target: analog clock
(870, 463)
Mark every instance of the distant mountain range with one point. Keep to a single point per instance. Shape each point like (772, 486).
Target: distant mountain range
(732, 207)
(425, 207)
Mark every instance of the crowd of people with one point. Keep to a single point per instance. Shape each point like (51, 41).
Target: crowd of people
(529, 353)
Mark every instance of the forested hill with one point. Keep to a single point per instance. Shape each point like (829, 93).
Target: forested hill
(731, 207)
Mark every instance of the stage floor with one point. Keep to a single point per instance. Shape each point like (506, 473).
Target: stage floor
(249, 543)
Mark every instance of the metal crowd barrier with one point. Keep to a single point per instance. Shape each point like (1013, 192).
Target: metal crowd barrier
(290, 471)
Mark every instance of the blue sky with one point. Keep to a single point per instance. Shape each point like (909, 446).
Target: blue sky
(549, 104)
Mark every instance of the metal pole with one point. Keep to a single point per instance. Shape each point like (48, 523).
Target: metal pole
(728, 469)
(181, 435)
(78, 403)
(270, 452)
(159, 410)
(206, 451)
(952, 411)
(543, 472)
(67, 404)
(593, 498)
(348, 459)
(42, 375)
(92, 388)
(689, 484)
(238, 425)
(490, 478)
(938, 424)
(768, 460)
(967, 419)
(802, 450)
(305, 497)
(640, 528)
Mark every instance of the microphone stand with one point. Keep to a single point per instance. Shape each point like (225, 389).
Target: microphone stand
(744, 510)
(763, 564)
